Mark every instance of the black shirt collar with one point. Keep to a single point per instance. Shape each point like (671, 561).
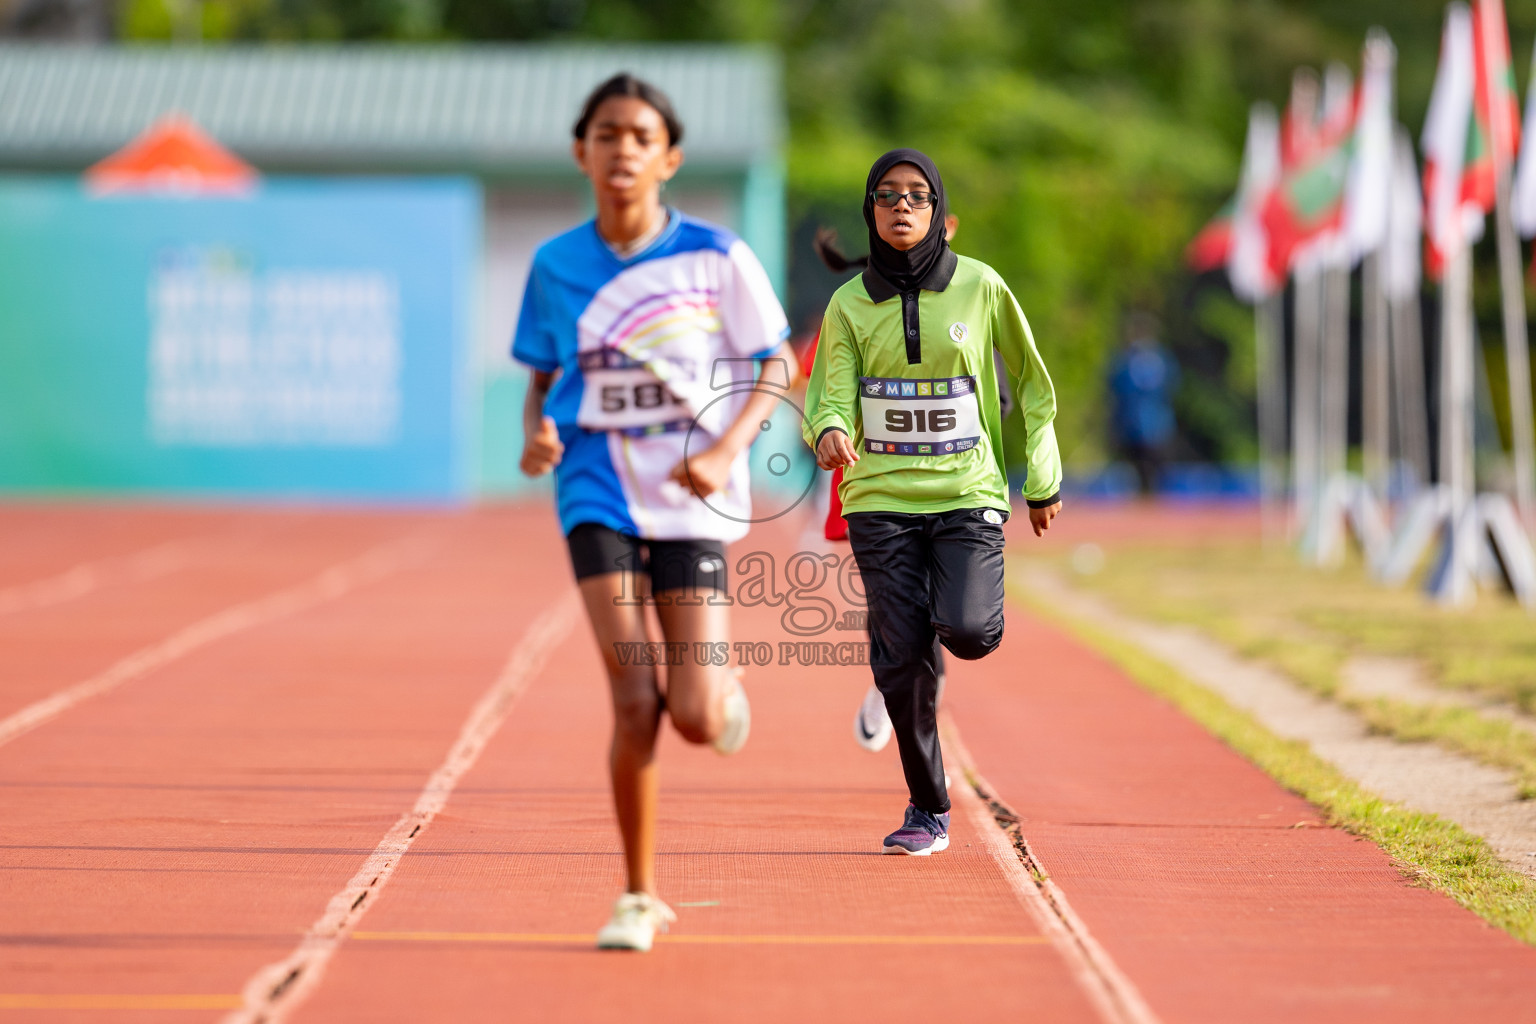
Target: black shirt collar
(938, 278)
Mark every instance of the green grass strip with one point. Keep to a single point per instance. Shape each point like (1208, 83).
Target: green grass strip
(1435, 853)
(1265, 605)
(1495, 741)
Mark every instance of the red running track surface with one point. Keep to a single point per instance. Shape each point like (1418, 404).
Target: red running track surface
(169, 838)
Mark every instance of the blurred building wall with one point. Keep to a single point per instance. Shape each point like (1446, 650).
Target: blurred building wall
(500, 115)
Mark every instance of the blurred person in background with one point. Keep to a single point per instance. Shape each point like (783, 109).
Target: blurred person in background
(905, 371)
(626, 322)
(1142, 382)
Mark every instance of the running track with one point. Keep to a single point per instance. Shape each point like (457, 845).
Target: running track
(356, 760)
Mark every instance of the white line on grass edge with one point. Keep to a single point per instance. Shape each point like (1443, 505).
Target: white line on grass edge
(278, 988)
(1113, 994)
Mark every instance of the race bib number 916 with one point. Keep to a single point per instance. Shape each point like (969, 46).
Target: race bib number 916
(919, 417)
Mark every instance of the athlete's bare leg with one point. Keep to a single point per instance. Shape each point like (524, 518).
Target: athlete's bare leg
(636, 719)
(695, 692)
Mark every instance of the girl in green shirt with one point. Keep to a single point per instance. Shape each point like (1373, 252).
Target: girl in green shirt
(903, 396)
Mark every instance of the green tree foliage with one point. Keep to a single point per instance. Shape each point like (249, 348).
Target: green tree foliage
(1083, 143)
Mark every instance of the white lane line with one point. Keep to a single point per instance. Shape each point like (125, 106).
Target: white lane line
(1113, 994)
(278, 988)
(329, 585)
(82, 579)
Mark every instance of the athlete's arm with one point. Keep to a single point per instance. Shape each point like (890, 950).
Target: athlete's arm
(541, 441)
(1037, 401)
(708, 471)
(831, 395)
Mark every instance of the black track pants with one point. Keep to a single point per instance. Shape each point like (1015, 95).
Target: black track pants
(925, 575)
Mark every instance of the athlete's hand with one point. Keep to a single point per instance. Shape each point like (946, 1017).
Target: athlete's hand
(542, 450)
(835, 449)
(1040, 518)
(704, 472)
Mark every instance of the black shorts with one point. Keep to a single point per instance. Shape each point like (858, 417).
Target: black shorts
(671, 564)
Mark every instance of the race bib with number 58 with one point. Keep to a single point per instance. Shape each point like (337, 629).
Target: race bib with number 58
(627, 397)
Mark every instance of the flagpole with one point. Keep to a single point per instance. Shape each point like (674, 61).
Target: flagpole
(1375, 396)
(1495, 46)
(1332, 252)
(1402, 275)
(1411, 405)
(1269, 332)
(1323, 543)
(1304, 394)
(1335, 363)
(1452, 580)
(1517, 359)
(1508, 528)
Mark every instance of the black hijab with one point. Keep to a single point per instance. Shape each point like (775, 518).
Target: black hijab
(907, 270)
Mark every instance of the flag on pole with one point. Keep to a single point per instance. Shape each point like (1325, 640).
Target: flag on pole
(1400, 262)
(1248, 255)
(1304, 214)
(1211, 247)
(1495, 130)
(1448, 223)
(1524, 198)
(1298, 132)
(1368, 194)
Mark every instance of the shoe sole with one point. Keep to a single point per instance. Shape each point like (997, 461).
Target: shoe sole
(939, 846)
(623, 947)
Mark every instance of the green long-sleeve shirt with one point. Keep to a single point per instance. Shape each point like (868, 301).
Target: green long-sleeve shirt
(916, 361)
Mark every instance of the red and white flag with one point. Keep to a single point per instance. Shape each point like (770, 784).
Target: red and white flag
(1449, 223)
(1304, 214)
(1495, 108)
(1213, 245)
(1248, 254)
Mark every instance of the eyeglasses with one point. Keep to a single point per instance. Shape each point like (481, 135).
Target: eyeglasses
(917, 200)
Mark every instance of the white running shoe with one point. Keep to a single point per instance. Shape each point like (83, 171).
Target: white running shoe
(637, 917)
(872, 726)
(738, 718)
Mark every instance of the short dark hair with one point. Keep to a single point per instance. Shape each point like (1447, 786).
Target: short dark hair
(626, 84)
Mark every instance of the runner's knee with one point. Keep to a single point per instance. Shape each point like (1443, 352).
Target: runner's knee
(972, 640)
(691, 699)
(636, 704)
(693, 724)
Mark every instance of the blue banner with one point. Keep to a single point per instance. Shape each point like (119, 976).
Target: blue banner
(312, 340)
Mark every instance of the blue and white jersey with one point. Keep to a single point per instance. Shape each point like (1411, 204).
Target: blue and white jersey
(648, 349)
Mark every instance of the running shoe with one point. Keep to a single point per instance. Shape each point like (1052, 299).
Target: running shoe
(738, 718)
(637, 917)
(921, 834)
(872, 726)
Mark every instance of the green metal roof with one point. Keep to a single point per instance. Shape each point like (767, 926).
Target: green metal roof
(375, 107)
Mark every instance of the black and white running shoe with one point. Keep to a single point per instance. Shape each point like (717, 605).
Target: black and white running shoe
(872, 726)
